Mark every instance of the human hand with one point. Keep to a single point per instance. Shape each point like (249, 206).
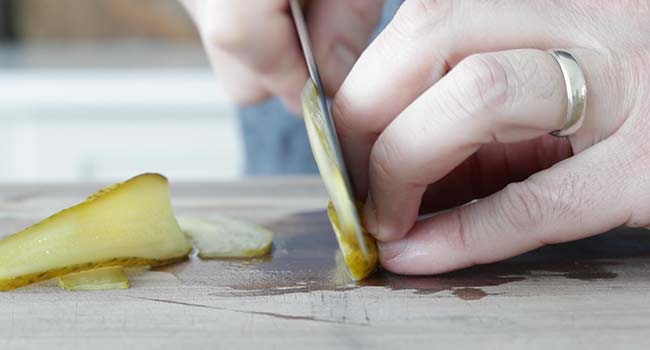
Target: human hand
(254, 49)
(454, 101)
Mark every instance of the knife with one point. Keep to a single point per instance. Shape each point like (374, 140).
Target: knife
(324, 141)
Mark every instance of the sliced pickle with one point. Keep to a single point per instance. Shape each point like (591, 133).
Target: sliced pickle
(359, 265)
(105, 278)
(223, 237)
(127, 224)
(358, 247)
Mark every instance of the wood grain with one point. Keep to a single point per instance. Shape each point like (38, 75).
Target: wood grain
(589, 294)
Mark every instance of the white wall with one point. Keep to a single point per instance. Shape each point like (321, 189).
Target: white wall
(110, 124)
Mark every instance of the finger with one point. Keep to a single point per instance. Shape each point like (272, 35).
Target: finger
(238, 80)
(506, 97)
(450, 122)
(569, 201)
(261, 36)
(340, 30)
(491, 168)
(420, 44)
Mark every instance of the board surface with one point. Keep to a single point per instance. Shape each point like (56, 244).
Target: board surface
(589, 294)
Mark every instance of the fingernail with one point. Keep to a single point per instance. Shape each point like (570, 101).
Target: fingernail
(370, 216)
(390, 250)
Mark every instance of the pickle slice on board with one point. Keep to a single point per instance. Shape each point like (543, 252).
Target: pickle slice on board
(126, 224)
(105, 278)
(224, 237)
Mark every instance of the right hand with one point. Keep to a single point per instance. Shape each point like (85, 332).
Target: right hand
(462, 110)
(254, 48)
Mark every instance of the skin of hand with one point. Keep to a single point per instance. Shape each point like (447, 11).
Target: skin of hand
(254, 49)
(451, 108)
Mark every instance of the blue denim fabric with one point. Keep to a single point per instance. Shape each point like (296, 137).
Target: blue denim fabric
(275, 141)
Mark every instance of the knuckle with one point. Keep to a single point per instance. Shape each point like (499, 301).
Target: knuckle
(484, 81)
(528, 76)
(524, 207)
(572, 196)
(460, 238)
(394, 159)
(415, 15)
(384, 159)
(533, 206)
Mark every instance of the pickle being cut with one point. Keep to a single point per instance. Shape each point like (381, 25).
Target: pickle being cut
(358, 247)
(358, 264)
(224, 237)
(105, 278)
(127, 224)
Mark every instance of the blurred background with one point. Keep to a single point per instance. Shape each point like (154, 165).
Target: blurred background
(101, 90)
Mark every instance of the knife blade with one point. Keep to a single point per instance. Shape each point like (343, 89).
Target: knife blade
(324, 140)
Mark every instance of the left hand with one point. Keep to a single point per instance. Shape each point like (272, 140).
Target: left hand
(254, 48)
(454, 102)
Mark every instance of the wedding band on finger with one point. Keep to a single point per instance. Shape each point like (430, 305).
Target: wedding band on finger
(576, 88)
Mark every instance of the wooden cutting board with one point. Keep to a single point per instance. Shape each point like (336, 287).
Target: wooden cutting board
(590, 294)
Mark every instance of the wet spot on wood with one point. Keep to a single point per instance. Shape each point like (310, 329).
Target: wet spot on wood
(470, 293)
(303, 261)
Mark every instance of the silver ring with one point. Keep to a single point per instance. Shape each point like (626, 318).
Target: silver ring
(576, 89)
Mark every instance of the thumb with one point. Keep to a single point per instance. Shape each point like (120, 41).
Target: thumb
(340, 30)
